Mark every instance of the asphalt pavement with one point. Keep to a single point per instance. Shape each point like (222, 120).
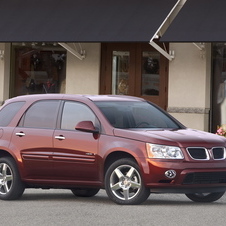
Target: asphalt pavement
(61, 207)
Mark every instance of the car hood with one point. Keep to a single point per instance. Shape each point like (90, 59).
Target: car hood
(180, 137)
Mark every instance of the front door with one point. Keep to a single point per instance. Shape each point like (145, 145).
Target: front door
(135, 69)
(74, 156)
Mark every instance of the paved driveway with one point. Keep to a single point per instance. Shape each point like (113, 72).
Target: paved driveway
(61, 207)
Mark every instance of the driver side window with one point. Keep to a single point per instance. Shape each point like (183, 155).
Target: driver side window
(75, 112)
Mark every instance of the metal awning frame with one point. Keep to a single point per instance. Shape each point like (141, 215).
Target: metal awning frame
(200, 46)
(170, 56)
(79, 54)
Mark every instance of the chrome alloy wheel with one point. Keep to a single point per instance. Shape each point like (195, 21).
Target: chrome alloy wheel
(125, 182)
(6, 178)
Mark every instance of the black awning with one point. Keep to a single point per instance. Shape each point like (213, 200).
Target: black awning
(198, 21)
(81, 20)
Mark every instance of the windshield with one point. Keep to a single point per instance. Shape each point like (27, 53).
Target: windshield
(136, 114)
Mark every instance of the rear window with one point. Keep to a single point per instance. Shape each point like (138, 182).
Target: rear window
(8, 112)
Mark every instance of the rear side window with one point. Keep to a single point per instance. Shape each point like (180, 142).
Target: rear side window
(42, 114)
(8, 112)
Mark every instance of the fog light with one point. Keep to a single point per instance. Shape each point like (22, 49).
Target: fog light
(170, 174)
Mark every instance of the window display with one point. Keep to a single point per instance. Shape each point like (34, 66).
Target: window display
(218, 85)
(39, 68)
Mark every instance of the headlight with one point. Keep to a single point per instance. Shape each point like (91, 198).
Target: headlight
(163, 152)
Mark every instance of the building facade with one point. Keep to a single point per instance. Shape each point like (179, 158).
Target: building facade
(190, 85)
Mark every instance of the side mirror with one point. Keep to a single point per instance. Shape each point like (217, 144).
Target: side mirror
(86, 126)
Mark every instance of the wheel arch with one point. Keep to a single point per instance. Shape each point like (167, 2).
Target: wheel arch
(114, 156)
(4, 153)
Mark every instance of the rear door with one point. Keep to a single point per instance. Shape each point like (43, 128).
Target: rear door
(33, 139)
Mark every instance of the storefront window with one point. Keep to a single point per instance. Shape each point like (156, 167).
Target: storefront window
(219, 86)
(38, 68)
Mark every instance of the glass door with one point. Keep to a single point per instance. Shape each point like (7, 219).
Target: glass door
(150, 81)
(120, 72)
(151, 75)
(134, 69)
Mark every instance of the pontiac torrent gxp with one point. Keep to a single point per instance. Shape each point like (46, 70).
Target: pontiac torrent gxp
(122, 144)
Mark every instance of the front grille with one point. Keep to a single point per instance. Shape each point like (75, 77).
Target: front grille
(205, 178)
(198, 153)
(218, 153)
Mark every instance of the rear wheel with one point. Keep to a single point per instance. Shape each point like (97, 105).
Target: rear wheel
(124, 184)
(85, 192)
(205, 197)
(11, 186)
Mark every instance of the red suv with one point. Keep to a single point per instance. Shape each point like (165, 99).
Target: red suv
(125, 145)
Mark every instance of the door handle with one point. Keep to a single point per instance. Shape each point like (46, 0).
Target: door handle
(60, 137)
(20, 134)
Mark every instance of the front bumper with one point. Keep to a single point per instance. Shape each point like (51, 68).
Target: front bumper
(190, 177)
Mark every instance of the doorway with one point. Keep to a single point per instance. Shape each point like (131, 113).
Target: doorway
(135, 69)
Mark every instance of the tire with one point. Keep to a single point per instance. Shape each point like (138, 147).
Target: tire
(11, 186)
(124, 184)
(205, 197)
(85, 192)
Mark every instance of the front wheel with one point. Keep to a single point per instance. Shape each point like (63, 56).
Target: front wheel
(124, 184)
(11, 186)
(205, 197)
